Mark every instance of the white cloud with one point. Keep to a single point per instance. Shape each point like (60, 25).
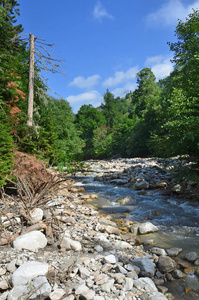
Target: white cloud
(100, 12)
(92, 97)
(170, 12)
(160, 65)
(121, 76)
(122, 91)
(85, 83)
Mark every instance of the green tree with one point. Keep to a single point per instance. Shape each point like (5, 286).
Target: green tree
(68, 145)
(87, 120)
(6, 147)
(145, 112)
(179, 131)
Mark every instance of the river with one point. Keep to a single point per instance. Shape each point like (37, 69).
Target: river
(177, 220)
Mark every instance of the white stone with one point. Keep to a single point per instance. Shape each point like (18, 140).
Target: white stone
(128, 284)
(98, 248)
(44, 291)
(17, 292)
(158, 251)
(69, 244)
(81, 289)
(110, 259)
(36, 214)
(57, 294)
(4, 296)
(123, 245)
(33, 241)
(28, 271)
(147, 227)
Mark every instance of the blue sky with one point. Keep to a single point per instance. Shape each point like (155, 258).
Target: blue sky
(104, 43)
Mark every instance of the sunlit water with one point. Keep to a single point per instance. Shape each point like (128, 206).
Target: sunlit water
(177, 220)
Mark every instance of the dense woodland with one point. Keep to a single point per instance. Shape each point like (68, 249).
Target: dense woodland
(156, 119)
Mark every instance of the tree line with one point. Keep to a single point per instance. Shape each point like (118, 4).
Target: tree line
(156, 119)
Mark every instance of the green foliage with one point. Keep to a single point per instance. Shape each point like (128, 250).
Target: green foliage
(68, 145)
(102, 142)
(87, 120)
(6, 148)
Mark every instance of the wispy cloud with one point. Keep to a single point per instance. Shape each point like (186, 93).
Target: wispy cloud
(170, 12)
(122, 91)
(85, 83)
(92, 97)
(100, 12)
(160, 65)
(121, 76)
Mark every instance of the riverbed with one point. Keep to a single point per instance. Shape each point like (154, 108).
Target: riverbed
(177, 219)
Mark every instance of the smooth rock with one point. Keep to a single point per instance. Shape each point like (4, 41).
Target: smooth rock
(2, 271)
(111, 259)
(69, 244)
(142, 185)
(4, 285)
(178, 274)
(191, 257)
(128, 284)
(28, 271)
(158, 251)
(122, 245)
(57, 294)
(36, 215)
(147, 227)
(145, 283)
(166, 264)
(99, 249)
(33, 241)
(173, 251)
(145, 265)
(162, 289)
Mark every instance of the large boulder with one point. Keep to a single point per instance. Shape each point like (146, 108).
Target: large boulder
(33, 241)
(27, 271)
(166, 264)
(146, 266)
(40, 285)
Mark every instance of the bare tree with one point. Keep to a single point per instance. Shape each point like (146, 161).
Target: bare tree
(44, 61)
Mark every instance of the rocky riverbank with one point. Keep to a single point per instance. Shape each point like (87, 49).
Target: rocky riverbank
(64, 249)
(172, 176)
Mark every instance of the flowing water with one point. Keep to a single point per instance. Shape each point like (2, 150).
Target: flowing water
(177, 220)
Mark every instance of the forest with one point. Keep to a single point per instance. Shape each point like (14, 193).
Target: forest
(159, 118)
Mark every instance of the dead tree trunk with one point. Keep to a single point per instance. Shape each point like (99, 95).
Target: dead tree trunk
(31, 81)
